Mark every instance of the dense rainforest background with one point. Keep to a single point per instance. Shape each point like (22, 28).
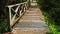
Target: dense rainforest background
(51, 12)
(4, 14)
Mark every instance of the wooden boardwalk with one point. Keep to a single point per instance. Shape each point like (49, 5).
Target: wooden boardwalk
(31, 22)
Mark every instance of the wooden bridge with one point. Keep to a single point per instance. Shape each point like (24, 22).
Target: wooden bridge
(26, 18)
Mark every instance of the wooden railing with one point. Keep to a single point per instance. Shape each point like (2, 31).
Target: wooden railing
(16, 11)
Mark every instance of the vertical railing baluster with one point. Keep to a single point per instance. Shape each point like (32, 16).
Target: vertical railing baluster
(21, 8)
(10, 13)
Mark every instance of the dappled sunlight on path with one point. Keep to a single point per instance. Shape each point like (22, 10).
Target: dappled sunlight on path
(31, 22)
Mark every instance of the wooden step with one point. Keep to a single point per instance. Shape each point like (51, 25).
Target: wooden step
(29, 31)
(31, 22)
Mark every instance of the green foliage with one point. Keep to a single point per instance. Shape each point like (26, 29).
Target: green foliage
(21, 0)
(4, 21)
(4, 14)
(51, 12)
(17, 1)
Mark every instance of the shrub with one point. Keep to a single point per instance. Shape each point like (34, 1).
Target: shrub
(4, 21)
(4, 15)
(16, 1)
(51, 12)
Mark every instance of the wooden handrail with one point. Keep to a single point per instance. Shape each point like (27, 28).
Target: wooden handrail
(17, 4)
(17, 10)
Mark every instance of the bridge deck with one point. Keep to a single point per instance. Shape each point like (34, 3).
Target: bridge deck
(31, 22)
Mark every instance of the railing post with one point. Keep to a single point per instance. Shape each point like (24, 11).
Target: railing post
(15, 12)
(10, 13)
(28, 4)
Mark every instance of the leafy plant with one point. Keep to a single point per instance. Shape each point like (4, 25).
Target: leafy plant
(51, 12)
(4, 16)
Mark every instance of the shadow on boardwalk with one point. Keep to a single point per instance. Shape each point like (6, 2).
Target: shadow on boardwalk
(31, 22)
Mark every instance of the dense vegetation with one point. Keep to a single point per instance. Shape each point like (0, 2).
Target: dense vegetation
(4, 21)
(51, 12)
(4, 14)
(16, 1)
